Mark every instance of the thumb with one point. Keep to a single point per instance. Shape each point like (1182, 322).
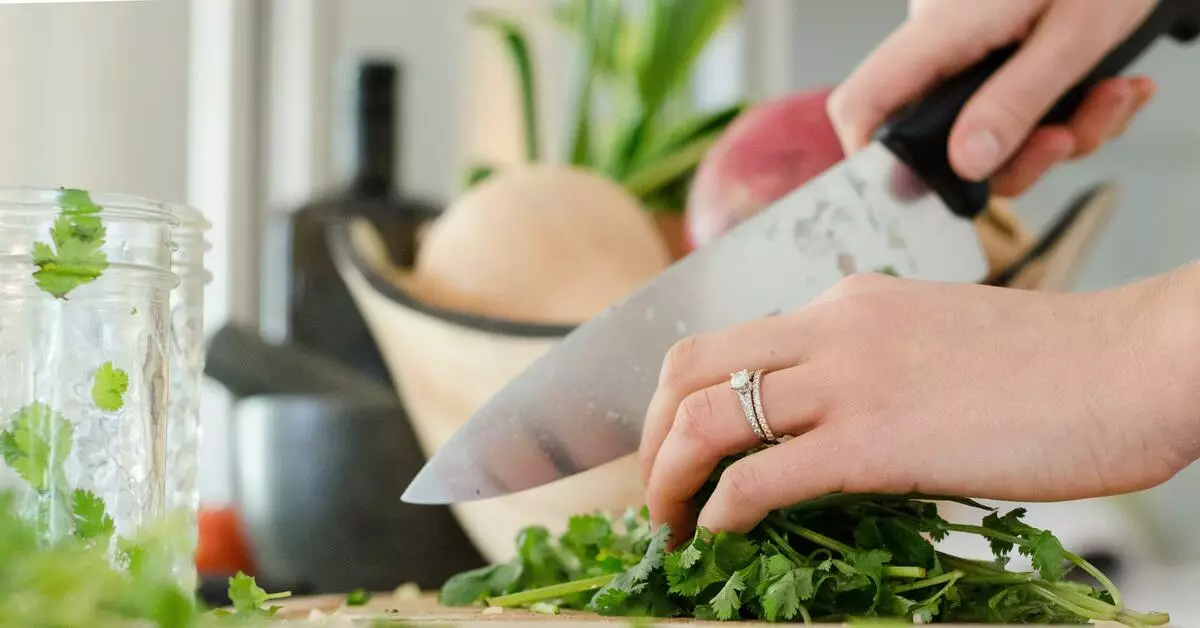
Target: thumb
(1066, 43)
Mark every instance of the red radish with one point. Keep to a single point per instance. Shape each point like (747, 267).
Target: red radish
(766, 153)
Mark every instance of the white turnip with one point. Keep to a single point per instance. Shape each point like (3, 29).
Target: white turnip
(539, 243)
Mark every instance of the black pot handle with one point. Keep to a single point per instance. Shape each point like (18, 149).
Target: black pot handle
(920, 135)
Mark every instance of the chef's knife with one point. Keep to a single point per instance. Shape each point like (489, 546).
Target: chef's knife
(896, 204)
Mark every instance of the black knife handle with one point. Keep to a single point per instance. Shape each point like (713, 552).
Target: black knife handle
(920, 135)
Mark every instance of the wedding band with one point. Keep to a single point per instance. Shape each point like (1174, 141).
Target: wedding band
(756, 394)
(742, 383)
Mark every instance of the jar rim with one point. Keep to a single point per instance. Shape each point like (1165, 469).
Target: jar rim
(32, 199)
(190, 218)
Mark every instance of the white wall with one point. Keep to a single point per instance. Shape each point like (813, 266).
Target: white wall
(95, 96)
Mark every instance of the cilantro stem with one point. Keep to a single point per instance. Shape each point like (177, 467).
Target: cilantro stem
(816, 537)
(551, 592)
(893, 571)
(901, 571)
(1054, 597)
(1075, 559)
(785, 547)
(929, 582)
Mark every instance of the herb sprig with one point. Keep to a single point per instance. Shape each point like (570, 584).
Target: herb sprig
(837, 558)
(74, 256)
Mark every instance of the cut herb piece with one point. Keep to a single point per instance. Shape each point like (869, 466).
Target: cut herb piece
(108, 390)
(92, 523)
(248, 598)
(36, 445)
(74, 257)
(357, 597)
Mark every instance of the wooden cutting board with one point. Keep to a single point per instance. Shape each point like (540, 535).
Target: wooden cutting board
(424, 609)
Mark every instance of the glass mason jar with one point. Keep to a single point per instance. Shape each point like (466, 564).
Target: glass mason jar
(187, 375)
(85, 282)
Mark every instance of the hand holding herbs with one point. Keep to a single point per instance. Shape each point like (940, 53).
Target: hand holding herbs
(893, 385)
(836, 558)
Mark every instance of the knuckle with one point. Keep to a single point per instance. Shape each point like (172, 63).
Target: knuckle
(836, 107)
(1011, 118)
(680, 362)
(741, 483)
(695, 416)
(863, 282)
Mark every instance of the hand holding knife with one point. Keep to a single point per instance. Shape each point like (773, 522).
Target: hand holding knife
(896, 204)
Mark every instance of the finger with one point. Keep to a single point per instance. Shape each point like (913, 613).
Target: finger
(711, 425)
(1144, 90)
(902, 68)
(1100, 115)
(707, 359)
(1068, 41)
(1047, 147)
(807, 467)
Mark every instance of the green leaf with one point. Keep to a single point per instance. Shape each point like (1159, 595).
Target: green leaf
(108, 390)
(673, 35)
(478, 174)
(473, 587)
(587, 534)
(612, 598)
(248, 598)
(358, 597)
(906, 544)
(1048, 554)
(781, 599)
(727, 602)
(868, 535)
(517, 45)
(76, 258)
(37, 444)
(92, 523)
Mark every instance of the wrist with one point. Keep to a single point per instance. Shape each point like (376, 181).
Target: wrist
(1172, 303)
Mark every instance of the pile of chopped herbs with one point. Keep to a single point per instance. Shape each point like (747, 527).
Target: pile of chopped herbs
(842, 557)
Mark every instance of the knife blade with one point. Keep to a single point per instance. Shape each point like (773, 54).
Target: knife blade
(895, 204)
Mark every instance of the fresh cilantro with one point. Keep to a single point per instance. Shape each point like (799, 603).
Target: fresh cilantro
(358, 597)
(92, 523)
(108, 390)
(74, 257)
(248, 598)
(36, 445)
(837, 558)
(728, 601)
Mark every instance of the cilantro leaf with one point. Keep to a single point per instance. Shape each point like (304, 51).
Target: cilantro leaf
(588, 534)
(248, 598)
(108, 390)
(76, 257)
(92, 523)
(840, 557)
(37, 444)
(472, 587)
(728, 601)
(1048, 555)
(781, 599)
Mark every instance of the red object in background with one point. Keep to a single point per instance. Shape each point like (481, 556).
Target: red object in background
(770, 150)
(222, 548)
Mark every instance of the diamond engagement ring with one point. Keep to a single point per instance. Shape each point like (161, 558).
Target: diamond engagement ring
(748, 387)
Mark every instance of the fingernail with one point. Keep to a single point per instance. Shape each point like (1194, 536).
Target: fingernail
(980, 154)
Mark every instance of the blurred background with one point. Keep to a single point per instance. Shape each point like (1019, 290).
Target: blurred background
(281, 119)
